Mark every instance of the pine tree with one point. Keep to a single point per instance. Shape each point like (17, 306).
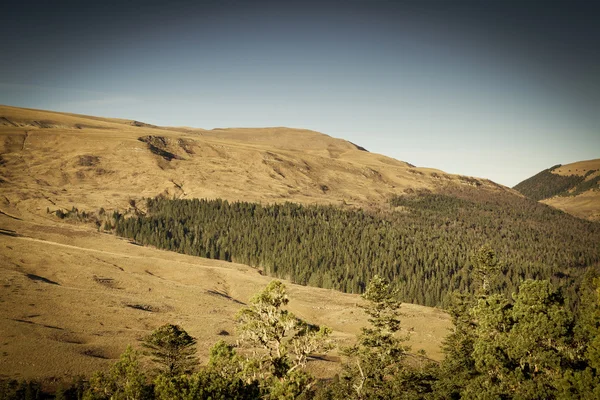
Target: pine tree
(377, 356)
(172, 348)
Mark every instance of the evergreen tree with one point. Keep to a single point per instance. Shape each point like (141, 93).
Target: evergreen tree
(172, 348)
(486, 269)
(458, 366)
(203, 385)
(376, 358)
(583, 381)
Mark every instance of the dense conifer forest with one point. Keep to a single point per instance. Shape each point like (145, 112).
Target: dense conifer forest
(546, 184)
(421, 242)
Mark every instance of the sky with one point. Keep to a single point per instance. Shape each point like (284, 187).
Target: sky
(493, 89)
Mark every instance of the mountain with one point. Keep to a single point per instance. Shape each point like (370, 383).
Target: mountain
(574, 188)
(79, 296)
(416, 226)
(88, 205)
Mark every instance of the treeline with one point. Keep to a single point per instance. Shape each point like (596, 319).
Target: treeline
(421, 244)
(546, 184)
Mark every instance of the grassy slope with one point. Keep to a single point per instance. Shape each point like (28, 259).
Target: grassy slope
(586, 204)
(42, 167)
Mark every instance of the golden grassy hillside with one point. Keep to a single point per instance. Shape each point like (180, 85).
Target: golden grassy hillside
(579, 168)
(61, 160)
(584, 205)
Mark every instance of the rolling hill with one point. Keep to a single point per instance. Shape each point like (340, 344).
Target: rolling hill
(61, 160)
(574, 188)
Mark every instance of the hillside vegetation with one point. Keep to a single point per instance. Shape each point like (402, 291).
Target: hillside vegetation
(546, 184)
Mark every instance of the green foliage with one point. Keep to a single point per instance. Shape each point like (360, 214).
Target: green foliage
(32, 390)
(375, 363)
(124, 381)
(420, 247)
(205, 384)
(458, 365)
(486, 269)
(529, 347)
(525, 348)
(172, 348)
(584, 381)
(71, 391)
(296, 384)
(282, 344)
(264, 324)
(75, 214)
(521, 348)
(382, 308)
(20, 390)
(585, 185)
(225, 361)
(546, 184)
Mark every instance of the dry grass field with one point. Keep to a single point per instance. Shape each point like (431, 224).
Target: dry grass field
(72, 298)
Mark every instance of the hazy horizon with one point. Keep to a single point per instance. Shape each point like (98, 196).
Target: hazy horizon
(488, 89)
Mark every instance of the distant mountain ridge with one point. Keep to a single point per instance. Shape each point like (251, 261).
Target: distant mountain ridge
(574, 188)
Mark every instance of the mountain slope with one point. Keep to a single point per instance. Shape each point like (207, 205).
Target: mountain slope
(574, 188)
(61, 160)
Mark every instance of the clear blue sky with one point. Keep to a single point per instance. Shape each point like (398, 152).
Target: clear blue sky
(499, 90)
